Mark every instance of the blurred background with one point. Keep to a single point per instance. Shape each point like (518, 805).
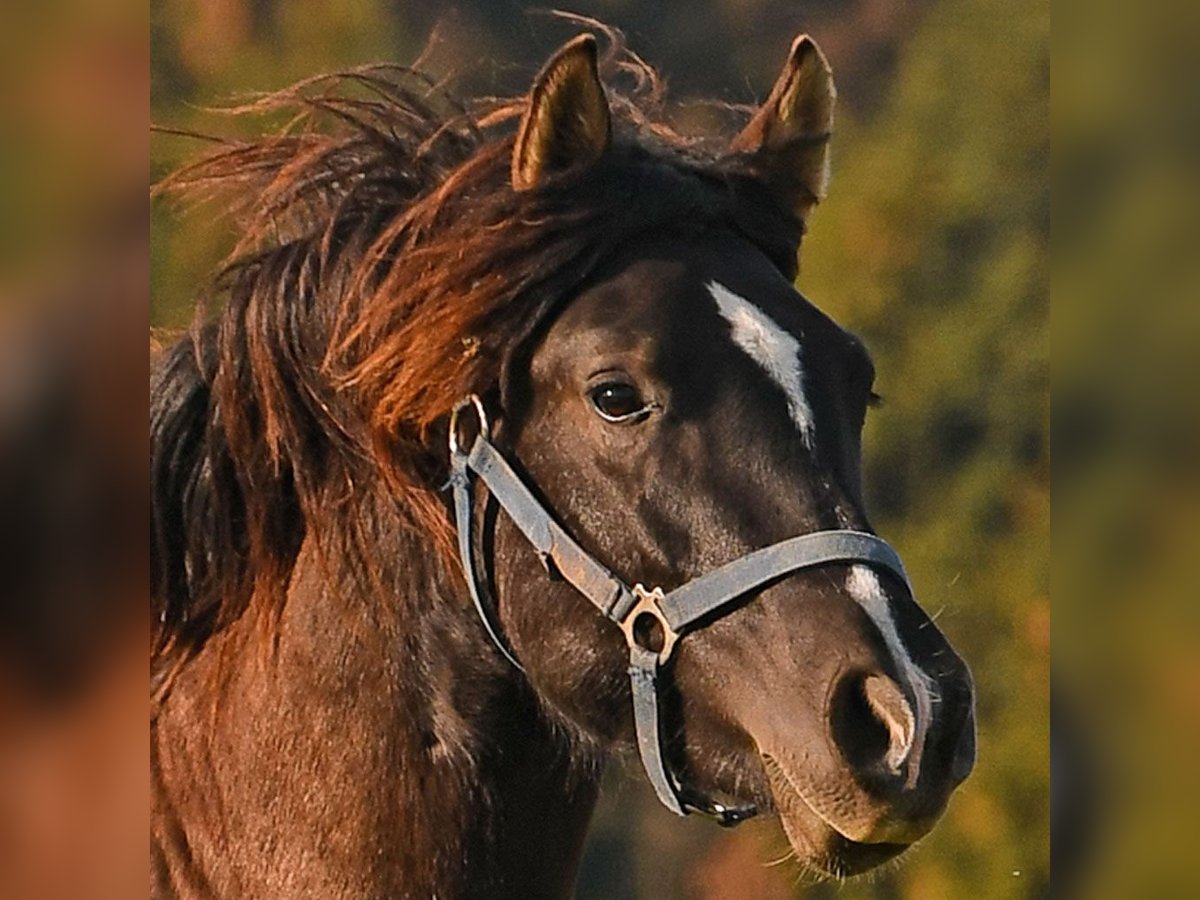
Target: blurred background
(933, 244)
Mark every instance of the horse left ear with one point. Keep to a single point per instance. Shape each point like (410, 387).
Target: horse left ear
(788, 138)
(567, 123)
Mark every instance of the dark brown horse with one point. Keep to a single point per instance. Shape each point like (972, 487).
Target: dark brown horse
(334, 712)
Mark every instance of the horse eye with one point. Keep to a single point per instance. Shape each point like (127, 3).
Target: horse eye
(617, 401)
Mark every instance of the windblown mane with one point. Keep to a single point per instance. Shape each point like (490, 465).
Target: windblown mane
(385, 268)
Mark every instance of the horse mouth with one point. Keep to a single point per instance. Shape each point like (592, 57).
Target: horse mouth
(817, 843)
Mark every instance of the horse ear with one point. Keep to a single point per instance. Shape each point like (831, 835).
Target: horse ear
(566, 124)
(788, 138)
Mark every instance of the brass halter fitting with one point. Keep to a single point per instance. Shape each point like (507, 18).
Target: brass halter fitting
(645, 625)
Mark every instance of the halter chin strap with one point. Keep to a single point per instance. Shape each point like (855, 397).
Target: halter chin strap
(652, 622)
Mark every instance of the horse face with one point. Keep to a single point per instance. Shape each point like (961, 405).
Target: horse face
(688, 408)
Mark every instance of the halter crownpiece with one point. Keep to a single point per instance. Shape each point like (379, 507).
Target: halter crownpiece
(652, 621)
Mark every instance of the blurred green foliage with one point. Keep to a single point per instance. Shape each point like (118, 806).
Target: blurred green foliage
(1127, 433)
(933, 245)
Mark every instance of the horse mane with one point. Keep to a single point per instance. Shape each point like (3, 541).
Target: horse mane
(385, 268)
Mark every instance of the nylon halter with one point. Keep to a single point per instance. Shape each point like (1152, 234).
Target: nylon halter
(637, 610)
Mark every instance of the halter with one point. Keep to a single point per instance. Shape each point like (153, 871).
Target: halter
(637, 610)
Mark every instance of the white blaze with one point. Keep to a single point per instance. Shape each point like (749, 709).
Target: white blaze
(778, 353)
(773, 348)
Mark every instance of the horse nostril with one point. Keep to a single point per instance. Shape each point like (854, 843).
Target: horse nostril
(891, 708)
(872, 723)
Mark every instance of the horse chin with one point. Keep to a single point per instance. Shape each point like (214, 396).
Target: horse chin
(817, 844)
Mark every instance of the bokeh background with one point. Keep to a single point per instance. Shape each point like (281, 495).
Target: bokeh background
(933, 245)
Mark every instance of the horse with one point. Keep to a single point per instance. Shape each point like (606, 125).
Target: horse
(510, 448)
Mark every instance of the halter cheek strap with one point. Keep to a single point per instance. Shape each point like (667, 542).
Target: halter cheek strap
(652, 622)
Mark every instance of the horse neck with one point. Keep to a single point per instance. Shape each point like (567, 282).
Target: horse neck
(380, 727)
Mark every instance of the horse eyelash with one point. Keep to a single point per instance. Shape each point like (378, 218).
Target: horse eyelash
(874, 400)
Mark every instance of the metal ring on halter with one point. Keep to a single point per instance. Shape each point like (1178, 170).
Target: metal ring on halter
(647, 605)
(471, 400)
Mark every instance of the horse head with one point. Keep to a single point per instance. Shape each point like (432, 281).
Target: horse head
(683, 409)
(655, 462)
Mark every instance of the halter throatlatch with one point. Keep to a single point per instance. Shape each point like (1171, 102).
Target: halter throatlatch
(653, 622)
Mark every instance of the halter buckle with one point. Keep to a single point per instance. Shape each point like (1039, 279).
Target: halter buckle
(471, 401)
(639, 624)
(725, 816)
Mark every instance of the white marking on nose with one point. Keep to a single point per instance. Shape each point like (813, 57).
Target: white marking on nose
(863, 585)
(773, 348)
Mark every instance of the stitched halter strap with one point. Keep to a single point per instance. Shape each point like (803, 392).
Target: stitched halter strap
(635, 610)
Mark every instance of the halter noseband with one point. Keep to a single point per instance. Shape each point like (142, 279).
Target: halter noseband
(635, 610)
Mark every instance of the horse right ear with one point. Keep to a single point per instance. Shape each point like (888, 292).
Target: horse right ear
(567, 123)
(787, 140)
